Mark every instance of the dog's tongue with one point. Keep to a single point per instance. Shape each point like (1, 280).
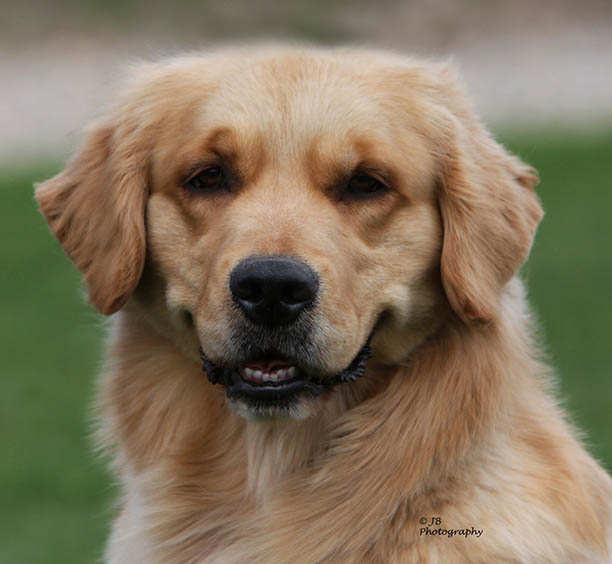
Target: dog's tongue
(268, 366)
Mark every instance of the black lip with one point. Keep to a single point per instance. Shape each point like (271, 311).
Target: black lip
(273, 393)
(282, 394)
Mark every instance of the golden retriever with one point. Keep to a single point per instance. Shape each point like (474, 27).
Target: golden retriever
(320, 350)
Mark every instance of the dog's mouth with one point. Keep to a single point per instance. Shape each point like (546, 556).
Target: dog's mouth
(271, 382)
(275, 372)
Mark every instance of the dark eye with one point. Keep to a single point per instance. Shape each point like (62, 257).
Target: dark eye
(362, 184)
(211, 179)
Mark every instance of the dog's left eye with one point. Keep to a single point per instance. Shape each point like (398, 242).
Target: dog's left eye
(362, 184)
(211, 179)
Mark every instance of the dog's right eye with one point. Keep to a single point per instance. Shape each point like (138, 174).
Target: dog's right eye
(211, 179)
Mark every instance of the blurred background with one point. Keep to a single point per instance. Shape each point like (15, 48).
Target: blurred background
(539, 72)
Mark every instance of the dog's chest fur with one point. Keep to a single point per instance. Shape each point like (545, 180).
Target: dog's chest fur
(221, 523)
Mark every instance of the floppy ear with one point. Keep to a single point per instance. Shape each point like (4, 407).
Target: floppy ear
(96, 208)
(489, 214)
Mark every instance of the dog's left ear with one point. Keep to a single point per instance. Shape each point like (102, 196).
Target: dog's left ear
(96, 210)
(489, 211)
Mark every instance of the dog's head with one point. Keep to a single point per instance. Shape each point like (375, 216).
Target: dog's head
(279, 207)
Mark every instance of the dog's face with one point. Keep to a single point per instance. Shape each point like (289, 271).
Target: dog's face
(280, 209)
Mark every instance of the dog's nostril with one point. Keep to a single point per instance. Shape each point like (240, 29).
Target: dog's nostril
(296, 293)
(248, 289)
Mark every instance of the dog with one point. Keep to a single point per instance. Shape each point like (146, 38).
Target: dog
(320, 349)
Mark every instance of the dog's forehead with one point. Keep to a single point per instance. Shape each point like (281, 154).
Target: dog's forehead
(292, 101)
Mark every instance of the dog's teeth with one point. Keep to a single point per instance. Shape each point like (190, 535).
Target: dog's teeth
(273, 376)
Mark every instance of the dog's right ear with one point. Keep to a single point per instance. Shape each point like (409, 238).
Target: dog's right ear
(96, 210)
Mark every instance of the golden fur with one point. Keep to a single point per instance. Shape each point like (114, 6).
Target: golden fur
(453, 418)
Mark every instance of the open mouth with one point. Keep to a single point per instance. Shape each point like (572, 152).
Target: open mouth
(269, 372)
(272, 380)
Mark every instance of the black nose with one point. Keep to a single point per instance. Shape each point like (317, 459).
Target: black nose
(273, 290)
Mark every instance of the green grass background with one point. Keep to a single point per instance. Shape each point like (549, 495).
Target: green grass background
(56, 496)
